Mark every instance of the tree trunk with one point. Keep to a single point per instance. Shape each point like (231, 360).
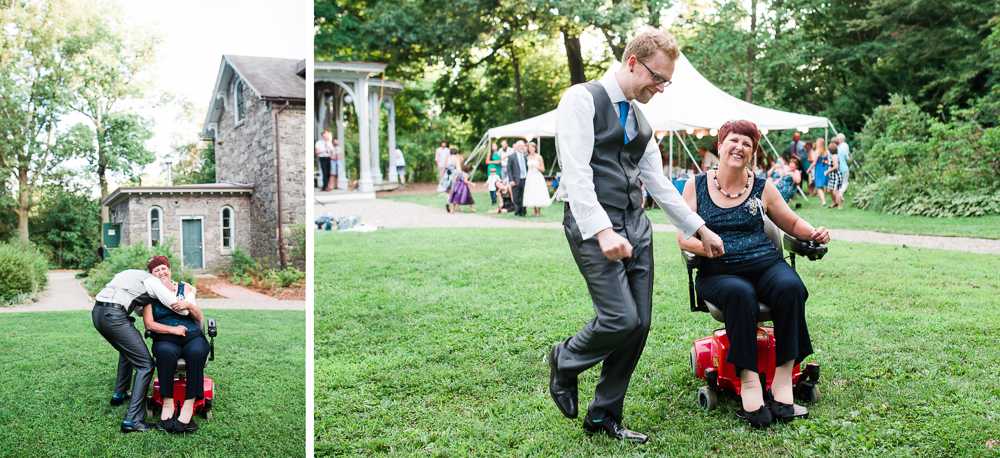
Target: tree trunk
(574, 56)
(102, 166)
(615, 49)
(751, 50)
(517, 83)
(23, 201)
(654, 12)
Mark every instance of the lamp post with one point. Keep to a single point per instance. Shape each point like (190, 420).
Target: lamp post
(170, 179)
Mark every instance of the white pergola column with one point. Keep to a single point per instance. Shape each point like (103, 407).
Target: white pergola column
(365, 182)
(391, 127)
(373, 116)
(338, 121)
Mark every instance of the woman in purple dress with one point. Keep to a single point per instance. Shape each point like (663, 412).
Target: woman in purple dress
(461, 194)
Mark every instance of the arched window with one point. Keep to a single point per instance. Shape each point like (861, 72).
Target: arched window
(239, 101)
(155, 226)
(227, 227)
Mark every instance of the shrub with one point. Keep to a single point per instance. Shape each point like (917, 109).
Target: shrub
(135, 256)
(22, 271)
(289, 276)
(240, 262)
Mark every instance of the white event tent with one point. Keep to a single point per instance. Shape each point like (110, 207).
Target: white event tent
(690, 103)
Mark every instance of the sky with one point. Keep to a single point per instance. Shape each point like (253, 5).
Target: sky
(195, 36)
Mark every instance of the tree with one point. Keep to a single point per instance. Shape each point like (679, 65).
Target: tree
(196, 163)
(112, 56)
(66, 225)
(33, 87)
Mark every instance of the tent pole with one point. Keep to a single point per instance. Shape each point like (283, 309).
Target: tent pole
(671, 141)
(690, 156)
(475, 153)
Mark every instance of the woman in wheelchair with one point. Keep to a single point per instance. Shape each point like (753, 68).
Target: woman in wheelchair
(732, 201)
(177, 335)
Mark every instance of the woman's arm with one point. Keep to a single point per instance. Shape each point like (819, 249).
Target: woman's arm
(692, 244)
(541, 163)
(782, 215)
(152, 325)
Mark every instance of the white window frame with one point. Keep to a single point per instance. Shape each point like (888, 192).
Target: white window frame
(238, 89)
(232, 228)
(149, 224)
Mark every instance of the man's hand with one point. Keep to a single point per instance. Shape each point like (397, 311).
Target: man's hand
(181, 305)
(614, 246)
(711, 242)
(512, 184)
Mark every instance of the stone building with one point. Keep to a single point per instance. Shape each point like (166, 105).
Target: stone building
(257, 120)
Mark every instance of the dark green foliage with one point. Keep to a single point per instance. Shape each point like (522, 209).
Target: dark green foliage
(66, 224)
(196, 164)
(919, 165)
(135, 256)
(22, 270)
(240, 262)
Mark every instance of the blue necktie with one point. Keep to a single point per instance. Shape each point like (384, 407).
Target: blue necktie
(623, 116)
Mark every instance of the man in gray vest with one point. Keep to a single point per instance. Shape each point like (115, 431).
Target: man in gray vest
(128, 290)
(608, 151)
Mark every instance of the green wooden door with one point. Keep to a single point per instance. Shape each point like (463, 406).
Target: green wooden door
(191, 238)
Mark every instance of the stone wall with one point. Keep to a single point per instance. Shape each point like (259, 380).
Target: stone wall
(244, 153)
(133, 214)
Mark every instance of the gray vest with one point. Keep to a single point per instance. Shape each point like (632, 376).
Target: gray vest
(616, 166)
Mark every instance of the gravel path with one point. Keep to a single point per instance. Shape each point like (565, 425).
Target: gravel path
(392, 214)
(65, 292)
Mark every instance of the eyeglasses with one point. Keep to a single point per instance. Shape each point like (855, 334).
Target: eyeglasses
(657, 79)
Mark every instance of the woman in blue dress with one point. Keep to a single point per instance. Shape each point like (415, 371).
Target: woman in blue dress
(177, 334)
(732, 201)
(819, 169)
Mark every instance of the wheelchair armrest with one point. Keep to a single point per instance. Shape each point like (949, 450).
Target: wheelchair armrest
(149, 334)
(691, 260)
(212, 330)
(808, 249)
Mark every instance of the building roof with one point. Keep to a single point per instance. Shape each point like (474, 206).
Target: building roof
(125, 192)
(267, 77)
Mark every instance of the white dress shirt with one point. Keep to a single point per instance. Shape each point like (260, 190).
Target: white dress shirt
(129, 284)
(575, 136)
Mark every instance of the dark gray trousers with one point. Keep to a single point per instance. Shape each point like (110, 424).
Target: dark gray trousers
(622, 293)
(120, 332)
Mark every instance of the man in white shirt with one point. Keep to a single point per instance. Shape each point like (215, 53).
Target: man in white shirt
(708, 160)
(111, 319)
(608, 152)
(441, 156)
(843, 155)
(504, 152)
(324, 150)
(401, 167)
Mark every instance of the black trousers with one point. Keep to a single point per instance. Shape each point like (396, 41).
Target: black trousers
(736, 290)
(622, 294)
(324, 168)
(518, 194)
(194, 348)
(119, 330)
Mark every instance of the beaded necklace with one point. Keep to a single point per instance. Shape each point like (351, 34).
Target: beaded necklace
(715, 176)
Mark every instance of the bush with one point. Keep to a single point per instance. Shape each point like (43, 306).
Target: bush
(22, 271)
(289, 276)
(240, 262)
(918, 165)
(135, 257)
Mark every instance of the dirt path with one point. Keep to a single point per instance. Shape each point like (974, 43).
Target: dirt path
(65, 292)
(392, 214)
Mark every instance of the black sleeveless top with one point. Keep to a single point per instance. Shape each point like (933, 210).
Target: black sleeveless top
(164, 315)
(741, 227)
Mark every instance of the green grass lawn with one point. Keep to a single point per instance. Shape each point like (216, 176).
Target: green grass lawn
(848, 218)
(57, 375)
(438, 350)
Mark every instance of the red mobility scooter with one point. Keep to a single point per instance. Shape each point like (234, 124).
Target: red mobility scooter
(708, 355)
(154, 403)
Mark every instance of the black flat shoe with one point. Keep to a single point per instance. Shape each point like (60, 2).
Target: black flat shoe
(760, 418)
(185, 427)
(613, 429)
(562, 389)
(138, 427)
(169, 424)
(119, 401)
(784, 413)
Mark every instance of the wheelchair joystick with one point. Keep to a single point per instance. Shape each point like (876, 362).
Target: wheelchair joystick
(812, 369)
(712, 376)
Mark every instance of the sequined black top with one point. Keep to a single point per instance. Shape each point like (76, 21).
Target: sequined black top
(741, 227)
(164, 315)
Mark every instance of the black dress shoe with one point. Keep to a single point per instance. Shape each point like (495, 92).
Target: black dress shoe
(787, 412)
(189, 427)
(612, 428)
(138, 427)
(119, 401)
(562, 389)
(760, 418)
